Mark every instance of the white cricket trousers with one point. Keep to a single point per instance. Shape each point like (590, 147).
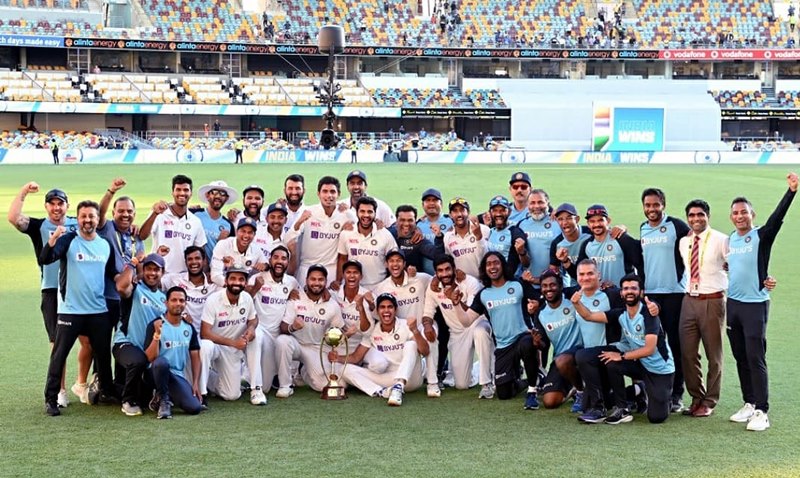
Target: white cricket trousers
(370, 382)
(463, 346)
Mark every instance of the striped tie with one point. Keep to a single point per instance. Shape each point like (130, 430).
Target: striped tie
(694, 262)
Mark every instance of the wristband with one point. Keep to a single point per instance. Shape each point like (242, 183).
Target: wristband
(157, 338)
(112, 192)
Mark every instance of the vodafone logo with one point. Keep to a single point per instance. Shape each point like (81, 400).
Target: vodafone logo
(714, 54)
(767, 54)
(667, 55)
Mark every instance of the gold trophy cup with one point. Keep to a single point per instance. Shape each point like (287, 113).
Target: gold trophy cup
(334, 390)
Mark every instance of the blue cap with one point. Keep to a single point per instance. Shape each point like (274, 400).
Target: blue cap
(357, 174)
(55, 194)
(520, 176)
(432, 192)
(596, 210)
(276, 206)
(247, 221)
(568, 208)
(318, 268)
(153, 258)
(253, 187)
(395, 252)
(499, 201)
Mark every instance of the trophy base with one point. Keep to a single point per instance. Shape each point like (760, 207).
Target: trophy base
(333, 392)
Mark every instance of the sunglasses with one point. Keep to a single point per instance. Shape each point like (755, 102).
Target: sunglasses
(459, 201)
(217, 192)
(596, 212)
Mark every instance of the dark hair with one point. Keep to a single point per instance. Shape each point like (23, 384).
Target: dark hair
(298, 178)
(631, 278)
(542, 192)
(406, 208)
(655, 192)
(442, 259)
(741, 199)
(181, 179)
(174, 289)
(280, 247)
(503, 267)
(88, 203)
(124, 198)
(192, 249)
(329, 180)
(551, 273)
(367, 200)
(698, 203)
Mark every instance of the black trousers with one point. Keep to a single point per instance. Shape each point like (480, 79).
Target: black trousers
(506, 365)
(747, 333)
(133, 360)
(657, 387)
(670, 316)
(68, 328)
(49, 307)
(174, 388)
(238, 155)
(55, 155)
(444, 339)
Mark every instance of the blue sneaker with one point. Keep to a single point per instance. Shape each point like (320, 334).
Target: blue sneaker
(595, 415)
(577, 405)
(531, 402)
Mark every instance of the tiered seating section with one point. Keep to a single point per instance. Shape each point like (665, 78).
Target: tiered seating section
(38, 86)
(666, 22)
(789, 99)
(37, 140)
(186, 142)
(739, 99)
(197, 20)
(486, 98)
(425, 98)
(658, 23)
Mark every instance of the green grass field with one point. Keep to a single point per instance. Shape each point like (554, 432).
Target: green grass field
(456, 435)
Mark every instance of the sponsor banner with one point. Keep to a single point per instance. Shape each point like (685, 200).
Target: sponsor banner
(388, 51)
(604, 157)
(627, 128)
(196, 156)
(758, 114)
(215, 110)
(455, 112)
(31, 41)
(727, 54)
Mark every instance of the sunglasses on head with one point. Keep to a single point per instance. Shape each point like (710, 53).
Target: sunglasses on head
(460, 201)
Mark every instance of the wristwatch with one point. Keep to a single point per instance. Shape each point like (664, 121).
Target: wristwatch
(622, 355)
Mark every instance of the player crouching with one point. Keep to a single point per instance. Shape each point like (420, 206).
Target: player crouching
(400, 342)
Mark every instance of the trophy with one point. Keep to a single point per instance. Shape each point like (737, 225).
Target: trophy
(334, 390)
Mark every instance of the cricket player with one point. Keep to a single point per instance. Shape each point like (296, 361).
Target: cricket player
(357, 187)
(216, 225)
(367, 244)
(195, 282)
(239, 249)
(466, 242)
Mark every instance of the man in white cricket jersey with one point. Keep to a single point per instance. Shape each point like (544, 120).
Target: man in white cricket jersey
(239, 249)
(318, 229)
(466, 241)
(367, 244)
(304, 323)
(401, 344)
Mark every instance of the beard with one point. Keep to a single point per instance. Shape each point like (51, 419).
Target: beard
(234, 289)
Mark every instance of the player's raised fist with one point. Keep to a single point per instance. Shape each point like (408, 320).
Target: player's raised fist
(562, 254)
(576, 297)
(224, 234)
(30, 188)
(60, 230)
(117, 184)
(791, 178)
(163, 250)
(232, 214)
(652, 307)
(160, 206)
(412, 323)
(519, 245)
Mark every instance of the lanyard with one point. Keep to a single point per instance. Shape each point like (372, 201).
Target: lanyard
(131, 252)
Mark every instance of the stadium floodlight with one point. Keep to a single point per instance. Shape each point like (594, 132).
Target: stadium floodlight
(331, 42)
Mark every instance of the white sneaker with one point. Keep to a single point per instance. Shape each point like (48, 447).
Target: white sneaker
(396, 395)
(383, 393)
(257, 397)
(487, 391)
(63, 399)
(744, 414)
(759, 422)
(284, 392)
(131, 409)
(434, 391)
(81, 390)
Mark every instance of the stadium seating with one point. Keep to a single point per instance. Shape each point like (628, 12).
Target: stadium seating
(486, 98)
(262, 91)
(425, 98)
(41, 140)
(197, 20)
(739, 99)
(789, 99)
(63, 4)
(38, 86)
(186, 142)
(667, 22)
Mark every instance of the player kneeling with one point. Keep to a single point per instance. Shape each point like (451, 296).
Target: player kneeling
(170, 343)
(401, 344)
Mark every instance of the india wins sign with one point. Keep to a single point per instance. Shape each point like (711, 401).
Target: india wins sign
(627, 128)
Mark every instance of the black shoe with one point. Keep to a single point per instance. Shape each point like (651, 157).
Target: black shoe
(165, 410)
(641, 403)
(619, 415)
(677, 405)
(154, 402)
(204, 402)
(51, 408)
(94, 389)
